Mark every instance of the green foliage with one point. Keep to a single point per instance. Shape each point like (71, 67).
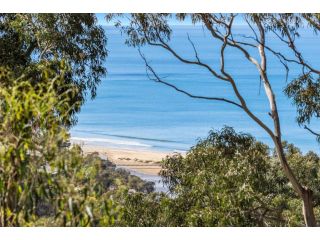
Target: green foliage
(30, 135)
(141, 209)
(36, 173)
(82, 199)
(227, 179)
(224, 179)
(307, 169)
(305, 93)
(87, 189)
(28, 40)
(78, 198)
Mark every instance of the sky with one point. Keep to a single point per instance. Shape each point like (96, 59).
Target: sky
(172, 21)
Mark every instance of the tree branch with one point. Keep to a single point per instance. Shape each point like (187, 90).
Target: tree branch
(293, 47)
(312, 132)
(166, 46)
(159, 80)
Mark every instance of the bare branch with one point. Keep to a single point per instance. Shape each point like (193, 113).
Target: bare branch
(312, 132)
(293, 47)
(194, 49)
(167, 47)
(231, 80)
(252, 29)
(230, 43)
(158, 79)
(279, 55)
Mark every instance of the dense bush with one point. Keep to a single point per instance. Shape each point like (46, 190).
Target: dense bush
(227, 179)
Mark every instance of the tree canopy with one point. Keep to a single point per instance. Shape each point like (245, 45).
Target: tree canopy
(28, 40)
(226, 179)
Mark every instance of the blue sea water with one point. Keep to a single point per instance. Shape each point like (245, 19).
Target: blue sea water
(131, 111)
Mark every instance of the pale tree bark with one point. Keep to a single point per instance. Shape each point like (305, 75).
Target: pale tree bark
(303, 192)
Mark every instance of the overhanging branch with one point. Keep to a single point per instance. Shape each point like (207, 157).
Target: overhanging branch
(312, 132)
(159, 80)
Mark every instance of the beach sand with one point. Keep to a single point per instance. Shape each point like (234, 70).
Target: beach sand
(143, 161)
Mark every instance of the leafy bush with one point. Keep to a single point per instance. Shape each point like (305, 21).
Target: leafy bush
(227, 179)
(37, 175)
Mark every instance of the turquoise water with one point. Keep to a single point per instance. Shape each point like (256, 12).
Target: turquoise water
(131, 111)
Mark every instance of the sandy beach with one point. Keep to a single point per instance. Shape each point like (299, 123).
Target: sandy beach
(143, 161)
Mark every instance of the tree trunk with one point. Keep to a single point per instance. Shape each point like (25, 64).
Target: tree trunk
(308, 213)
(304, 193)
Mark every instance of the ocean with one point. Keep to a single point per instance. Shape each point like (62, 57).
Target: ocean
(132, 111)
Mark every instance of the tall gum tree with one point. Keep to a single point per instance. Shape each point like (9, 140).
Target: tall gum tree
(154, 30)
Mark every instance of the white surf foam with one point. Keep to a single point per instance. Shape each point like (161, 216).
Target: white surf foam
(111, 141)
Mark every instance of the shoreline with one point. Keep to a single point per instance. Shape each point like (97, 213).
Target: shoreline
(140, 160)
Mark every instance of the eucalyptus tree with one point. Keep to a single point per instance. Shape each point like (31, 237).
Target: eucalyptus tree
(154, 30)
(27, 40)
